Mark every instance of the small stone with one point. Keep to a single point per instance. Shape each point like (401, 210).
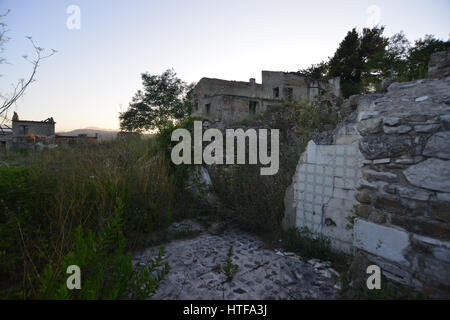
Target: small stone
(313, 261)
(365, 184)
(377, 217)
(325, 273)
(390, 189)
(386, 202)
(431, 174)
(415, 194)
(445, 119)
(417, 118)
(427, 128)
(420, 99)
(369, 126)
(268, 287)
(239, 291)
(298, 275)
(364, 197)
(385, 146)
(362, 211)
(440, 210)
(382, 161)
(404, 161)
(392, 121)
(442, 254)
(438, 145)
(397, 130)
(334, 272)
(364, 115)
(288, 279)
(383, 176)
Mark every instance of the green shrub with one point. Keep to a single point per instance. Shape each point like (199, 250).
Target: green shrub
(307, 244)
(54, 191)
(107, 272)
(230, 269)
(240, 187)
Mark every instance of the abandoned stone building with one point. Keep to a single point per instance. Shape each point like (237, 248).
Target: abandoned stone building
(32, 131)
(229, 101)
(31, 134)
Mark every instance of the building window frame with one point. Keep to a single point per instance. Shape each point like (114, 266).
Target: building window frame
(289, 93)
(23, 129)
(276, 92)
(252, 106)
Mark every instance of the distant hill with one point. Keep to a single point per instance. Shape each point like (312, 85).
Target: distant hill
(103, 134)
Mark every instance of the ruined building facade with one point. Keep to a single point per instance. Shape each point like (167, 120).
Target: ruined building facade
(30, 132)
(230, 101)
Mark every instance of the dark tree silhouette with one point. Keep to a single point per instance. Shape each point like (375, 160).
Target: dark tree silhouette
(18, 90)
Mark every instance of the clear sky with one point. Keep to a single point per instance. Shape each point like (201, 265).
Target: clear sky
(97, 68)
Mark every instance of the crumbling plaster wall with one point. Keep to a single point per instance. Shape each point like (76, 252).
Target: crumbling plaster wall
(383, 186)
(322, 194)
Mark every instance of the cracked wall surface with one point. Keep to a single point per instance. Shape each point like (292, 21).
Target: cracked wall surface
(325, 186)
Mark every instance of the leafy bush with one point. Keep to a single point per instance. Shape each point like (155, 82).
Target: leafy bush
(54, 191)
(307, 244)
(107, 272)
(230, 269)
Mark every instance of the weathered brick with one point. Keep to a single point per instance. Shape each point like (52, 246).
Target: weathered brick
(423, 226)
(363, 196)
(440, 210)
(377, 217)
(389, 203)
(362, 211)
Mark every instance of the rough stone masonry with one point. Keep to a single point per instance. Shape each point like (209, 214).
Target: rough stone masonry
(383, 186)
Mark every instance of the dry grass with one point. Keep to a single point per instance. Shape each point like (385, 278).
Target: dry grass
(45, 195)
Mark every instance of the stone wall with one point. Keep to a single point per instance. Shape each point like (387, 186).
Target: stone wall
(404, 196)
(228, 101)
(39, 128)
(398, 212)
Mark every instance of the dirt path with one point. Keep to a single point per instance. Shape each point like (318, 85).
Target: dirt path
(196, 264)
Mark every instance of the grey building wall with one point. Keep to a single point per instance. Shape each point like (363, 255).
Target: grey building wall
(229, 101)
(38, 128)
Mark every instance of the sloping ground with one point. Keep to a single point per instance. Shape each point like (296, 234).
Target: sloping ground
(196, 270)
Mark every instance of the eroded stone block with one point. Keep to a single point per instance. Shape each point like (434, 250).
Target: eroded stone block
(382, 241)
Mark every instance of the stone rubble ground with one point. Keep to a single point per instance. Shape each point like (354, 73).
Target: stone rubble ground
(263, 274)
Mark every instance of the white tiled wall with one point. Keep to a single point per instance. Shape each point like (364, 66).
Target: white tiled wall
(325, 188)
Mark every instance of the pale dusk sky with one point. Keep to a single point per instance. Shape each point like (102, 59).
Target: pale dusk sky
(97, 68)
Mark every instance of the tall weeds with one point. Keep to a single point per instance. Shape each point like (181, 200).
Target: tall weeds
(45, 196)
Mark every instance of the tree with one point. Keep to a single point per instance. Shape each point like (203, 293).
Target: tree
(315, 71)
(9, 99)
(164, 99)
(372, 52)
(396, 57)
(419, 55)
(346, 64)
(359, 60)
